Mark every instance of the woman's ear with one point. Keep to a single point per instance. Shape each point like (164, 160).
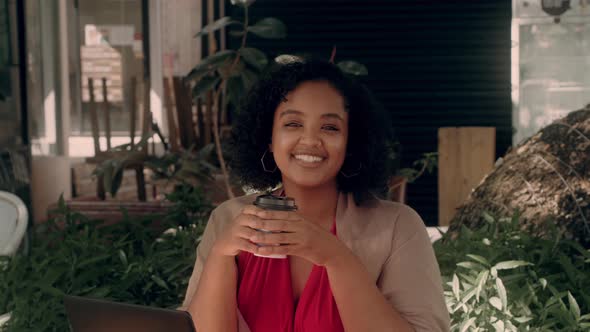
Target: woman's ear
(270, 147)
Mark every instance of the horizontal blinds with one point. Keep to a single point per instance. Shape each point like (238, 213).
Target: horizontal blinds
(431, 63)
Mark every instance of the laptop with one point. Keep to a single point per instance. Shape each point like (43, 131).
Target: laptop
(94, 315)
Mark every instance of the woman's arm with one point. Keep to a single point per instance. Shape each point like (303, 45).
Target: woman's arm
(361, 305)
(211, 295)
(213, 306)
(408, 295)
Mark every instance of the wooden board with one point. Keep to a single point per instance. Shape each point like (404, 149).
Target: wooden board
(465, 156)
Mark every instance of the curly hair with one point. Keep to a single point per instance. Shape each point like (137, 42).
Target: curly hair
(370, 131)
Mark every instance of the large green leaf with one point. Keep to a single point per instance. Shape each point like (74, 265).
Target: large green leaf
(219, 24)
(495, 302)
(210, 63)
(479, 259)
(234, 90)
(205, 85)
(248, 78)
(270, 28)
(574, 307)
(502, 293)
(467, 324)
(507, 265)
(230, 69)
(254, 57)
(159, 282)
(470, 265)
(123, 257)
(455, 286)
(353, 68)
(481, 280)
(197, 73)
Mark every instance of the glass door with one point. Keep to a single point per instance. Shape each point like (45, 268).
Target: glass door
(550, 63)
(111, 62)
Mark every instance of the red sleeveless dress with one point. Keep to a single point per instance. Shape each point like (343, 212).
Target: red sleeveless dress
(265, 297)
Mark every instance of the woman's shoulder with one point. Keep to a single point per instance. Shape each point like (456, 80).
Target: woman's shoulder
(376, 228)
(389, 213)
(394, 220)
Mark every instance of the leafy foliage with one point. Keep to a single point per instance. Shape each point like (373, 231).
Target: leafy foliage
(426, 164)
(234, 71)
(497, 277)
(501, 278)
(181, 167)
(190, 204)
(132, 261)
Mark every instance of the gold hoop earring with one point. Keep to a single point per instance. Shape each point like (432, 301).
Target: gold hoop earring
(264, 165)
(354, 173)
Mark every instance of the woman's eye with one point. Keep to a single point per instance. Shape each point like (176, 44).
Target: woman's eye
(331, 128)
(292, 124)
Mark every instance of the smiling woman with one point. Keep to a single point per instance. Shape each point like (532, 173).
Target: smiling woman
(353, 262)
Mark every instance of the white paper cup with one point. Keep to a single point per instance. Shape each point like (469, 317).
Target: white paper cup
(264, 245)
(277, 203)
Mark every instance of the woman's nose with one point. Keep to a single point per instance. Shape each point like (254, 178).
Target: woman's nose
(311, 138)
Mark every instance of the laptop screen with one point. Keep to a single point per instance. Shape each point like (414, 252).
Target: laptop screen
(95, 315)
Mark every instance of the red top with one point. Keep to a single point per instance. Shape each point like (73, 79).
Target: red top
(265, 297)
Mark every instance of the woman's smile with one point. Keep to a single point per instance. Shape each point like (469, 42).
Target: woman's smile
(308, 161)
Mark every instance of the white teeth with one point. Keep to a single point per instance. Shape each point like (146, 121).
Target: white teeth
(308, 158)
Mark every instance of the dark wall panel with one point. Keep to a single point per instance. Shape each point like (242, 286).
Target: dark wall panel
(432, 64)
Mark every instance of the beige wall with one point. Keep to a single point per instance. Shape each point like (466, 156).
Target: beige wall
(50, 177)
(181, 20)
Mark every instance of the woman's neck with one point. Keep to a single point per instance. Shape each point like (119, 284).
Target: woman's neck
(317, 204)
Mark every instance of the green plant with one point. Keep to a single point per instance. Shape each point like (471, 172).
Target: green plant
(232, 72)
(426, 164)
(190, 204)
(132, 261)
(179, 167)
(501, 278)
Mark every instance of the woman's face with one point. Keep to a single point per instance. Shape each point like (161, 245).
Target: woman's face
(309, 135)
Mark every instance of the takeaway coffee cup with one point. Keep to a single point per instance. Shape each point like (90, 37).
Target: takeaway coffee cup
(271, 202)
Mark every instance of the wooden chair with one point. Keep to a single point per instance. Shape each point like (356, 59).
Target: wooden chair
(99, 155)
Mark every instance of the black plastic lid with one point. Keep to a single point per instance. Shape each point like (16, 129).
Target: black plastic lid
(271, 202)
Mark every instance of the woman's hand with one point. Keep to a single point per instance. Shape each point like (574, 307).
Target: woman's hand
(237, 236)
(297, 237)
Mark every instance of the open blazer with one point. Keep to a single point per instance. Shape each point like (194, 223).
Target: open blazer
(391, 241)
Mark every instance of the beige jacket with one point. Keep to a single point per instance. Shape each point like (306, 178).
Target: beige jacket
(389, 238)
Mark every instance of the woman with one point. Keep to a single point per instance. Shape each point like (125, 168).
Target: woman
(355, 263)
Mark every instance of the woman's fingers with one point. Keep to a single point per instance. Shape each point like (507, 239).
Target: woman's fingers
(275, 238)
(270, 214)
(245, 245)
(272, 225)
(245, 232)
(289, 249)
